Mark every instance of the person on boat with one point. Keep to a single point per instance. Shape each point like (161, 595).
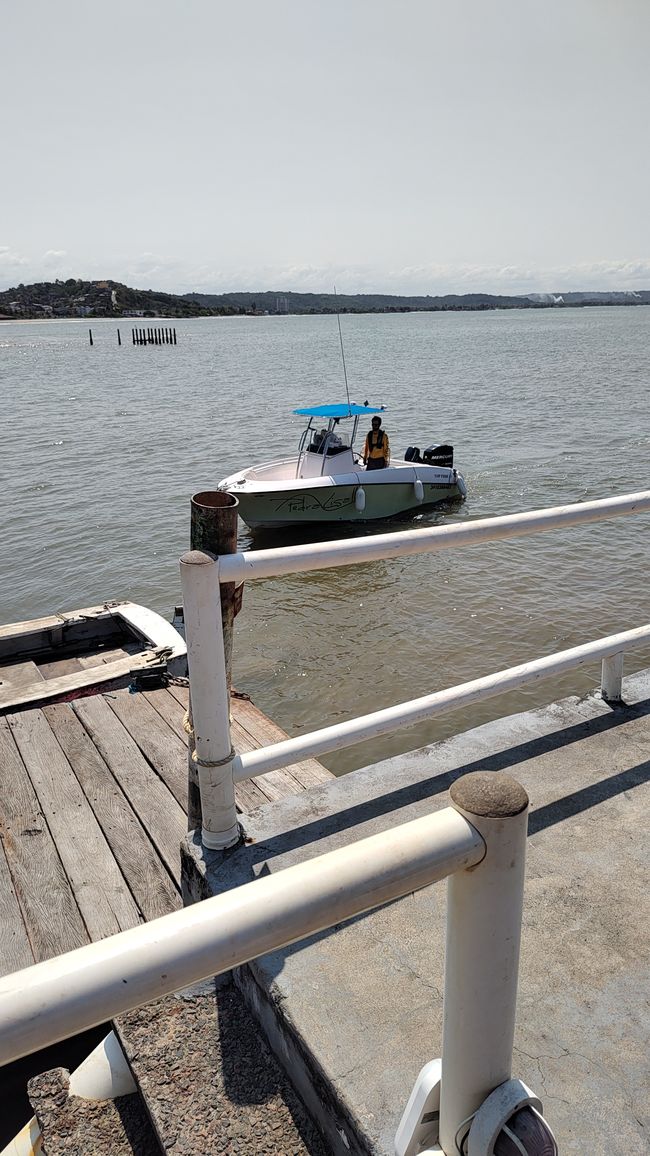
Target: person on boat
(376, 451)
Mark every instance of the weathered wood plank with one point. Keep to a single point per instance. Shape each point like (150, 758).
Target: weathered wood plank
(57, 666)
(180, 693)
(43, 691)
(248, 796)
(157, 741)
(15, 949)
(16, 674)
(100, 891)
(251, 729)
(168, 708)
(160, 814)
(53, 667)
(53, 921)
(160, 745)
(68, 628)
(147, 878)
(263, 732)
(250, 793)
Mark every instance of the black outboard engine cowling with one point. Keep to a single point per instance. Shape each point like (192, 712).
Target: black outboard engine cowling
(412, 454)
(439, 455)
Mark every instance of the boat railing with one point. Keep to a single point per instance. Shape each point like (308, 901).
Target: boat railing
(483, 859)
(214, 760)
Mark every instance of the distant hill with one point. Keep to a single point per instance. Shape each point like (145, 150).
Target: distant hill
(76, 298)
(287, 302)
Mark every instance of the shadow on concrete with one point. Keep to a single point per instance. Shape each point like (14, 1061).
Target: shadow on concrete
(591, 796)
(506, 760)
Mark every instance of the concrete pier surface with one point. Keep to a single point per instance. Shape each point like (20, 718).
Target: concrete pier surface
(354, 1013)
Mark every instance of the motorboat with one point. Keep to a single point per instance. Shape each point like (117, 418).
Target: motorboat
(327, 481)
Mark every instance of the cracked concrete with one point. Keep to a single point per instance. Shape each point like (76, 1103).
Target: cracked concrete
(360, 1006)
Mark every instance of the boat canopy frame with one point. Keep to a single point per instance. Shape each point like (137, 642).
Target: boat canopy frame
(334, 413)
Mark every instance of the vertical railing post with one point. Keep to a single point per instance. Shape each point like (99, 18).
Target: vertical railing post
(210, 724)
(484, 909)
(213, 527)
(611, 679)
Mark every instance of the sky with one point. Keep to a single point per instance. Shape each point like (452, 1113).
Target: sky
(396, 146)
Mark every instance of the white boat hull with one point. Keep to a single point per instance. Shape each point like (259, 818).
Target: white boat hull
(269, 500)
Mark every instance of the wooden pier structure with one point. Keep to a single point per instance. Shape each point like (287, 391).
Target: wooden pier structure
(93, 805)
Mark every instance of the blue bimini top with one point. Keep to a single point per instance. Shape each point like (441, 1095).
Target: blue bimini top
(341, 410)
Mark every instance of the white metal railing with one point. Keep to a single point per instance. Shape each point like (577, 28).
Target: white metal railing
(217, 765)
(254, 564)
(405, 714)
(479, 842)
(65, 995)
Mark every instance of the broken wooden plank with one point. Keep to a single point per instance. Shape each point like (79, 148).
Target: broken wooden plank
(160, 814)
(147, 878)
(51, 915)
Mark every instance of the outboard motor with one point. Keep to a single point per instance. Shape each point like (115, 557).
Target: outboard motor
(439, 456)
(412, 454)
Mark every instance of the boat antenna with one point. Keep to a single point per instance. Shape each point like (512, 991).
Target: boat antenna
(345, 372)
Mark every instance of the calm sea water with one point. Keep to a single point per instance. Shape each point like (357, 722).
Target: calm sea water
(102, 448)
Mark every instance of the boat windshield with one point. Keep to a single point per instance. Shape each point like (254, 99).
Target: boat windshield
(328, 440)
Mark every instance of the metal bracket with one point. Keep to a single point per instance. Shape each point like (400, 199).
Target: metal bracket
(495, 1111)
(417, 1134)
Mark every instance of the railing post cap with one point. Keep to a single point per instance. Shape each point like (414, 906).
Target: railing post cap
(198, 558)
(490, 794)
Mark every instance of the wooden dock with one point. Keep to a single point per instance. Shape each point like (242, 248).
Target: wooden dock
(93, 808)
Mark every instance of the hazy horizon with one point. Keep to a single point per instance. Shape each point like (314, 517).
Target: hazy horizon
(342, 294)
(406, 148)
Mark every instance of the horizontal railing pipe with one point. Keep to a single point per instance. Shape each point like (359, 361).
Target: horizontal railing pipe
(351, 551)
(70, 993)
(381, 722)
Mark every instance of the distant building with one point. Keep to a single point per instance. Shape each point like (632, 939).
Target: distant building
(83, 310)
(43, 308)
(133, 313)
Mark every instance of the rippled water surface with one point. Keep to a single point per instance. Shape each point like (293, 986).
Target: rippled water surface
(102, 448)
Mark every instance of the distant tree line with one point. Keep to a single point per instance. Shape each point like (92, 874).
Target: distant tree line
(77, 298)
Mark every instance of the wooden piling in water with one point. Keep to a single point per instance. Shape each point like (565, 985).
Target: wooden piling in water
(119, 339)
(152, 335)
(90, 334)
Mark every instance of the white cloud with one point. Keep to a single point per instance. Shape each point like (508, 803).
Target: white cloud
(173, 274)
(9, 259)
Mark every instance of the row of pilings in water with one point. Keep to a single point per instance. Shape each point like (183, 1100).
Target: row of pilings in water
(148, 336)
(165, 336)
